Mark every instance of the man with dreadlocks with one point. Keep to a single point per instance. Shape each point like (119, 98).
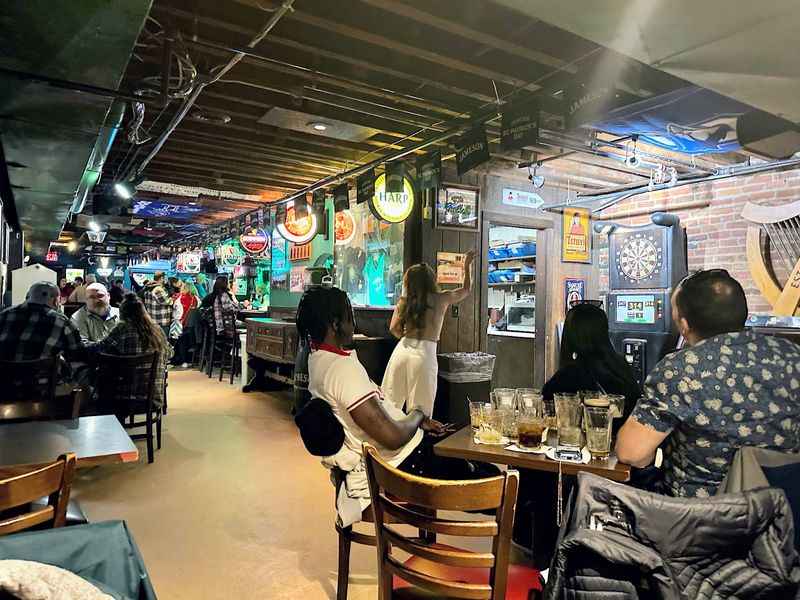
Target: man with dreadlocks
(325, 322)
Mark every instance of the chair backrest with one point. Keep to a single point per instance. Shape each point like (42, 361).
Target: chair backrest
(22, 485)
(389, 487)
(62, 407)
(29, 380)
(125, 381)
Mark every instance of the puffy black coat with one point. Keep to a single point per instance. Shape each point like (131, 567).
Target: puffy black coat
(621, 543)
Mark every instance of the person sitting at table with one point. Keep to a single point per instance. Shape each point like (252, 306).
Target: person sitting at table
(727, 388)
(97, 317)
(78, 293)
(116, 293)
(417, 320)
(35, 329)
(588, 361)
(335, 375)
(137, 333)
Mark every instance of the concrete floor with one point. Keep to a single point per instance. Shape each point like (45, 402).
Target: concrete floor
(233, 506)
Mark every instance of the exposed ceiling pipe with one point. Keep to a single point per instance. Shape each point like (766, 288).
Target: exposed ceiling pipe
(205, 81)
(616, 195)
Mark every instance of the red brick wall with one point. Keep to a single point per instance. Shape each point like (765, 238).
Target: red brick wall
(716, 233)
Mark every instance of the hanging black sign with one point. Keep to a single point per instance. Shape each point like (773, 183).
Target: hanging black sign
(318, 201)
(260, 218)
(395, 173)
(472, 150)
(301, 207)
(429, 170)
(589, 103)
(341, 198)
(280, 213)
(520, 126)
(365, 187)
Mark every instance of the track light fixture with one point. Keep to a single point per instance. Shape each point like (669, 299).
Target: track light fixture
(536, 180)
(127, 189)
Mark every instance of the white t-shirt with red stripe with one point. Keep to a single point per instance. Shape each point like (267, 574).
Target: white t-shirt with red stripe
(339, 378)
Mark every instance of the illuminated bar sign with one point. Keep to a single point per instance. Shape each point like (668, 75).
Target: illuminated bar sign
(254, 242)
(392, 207)
(298, 231)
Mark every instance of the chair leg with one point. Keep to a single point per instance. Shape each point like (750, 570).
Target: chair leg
(343, 579)
(158, 431)
(149, 425)
(234, 356)
(223, 353)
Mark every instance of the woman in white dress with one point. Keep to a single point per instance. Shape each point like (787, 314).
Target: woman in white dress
(410, 377)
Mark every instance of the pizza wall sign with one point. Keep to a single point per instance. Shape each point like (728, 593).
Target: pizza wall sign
(298, 231)
(344, 227)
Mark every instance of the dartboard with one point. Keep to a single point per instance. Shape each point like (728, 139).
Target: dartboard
(639, 256)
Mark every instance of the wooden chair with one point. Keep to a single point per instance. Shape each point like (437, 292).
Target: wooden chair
(126, 388)
(437, 569)
(22, 486)
(29, 392)
(348, 536)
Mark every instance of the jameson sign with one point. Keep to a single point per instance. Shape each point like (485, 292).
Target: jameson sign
(520, 127)
(341, 198)
(318, 201)
(365, 187)
(429, 170)
(587, 104)
(395, 173)
(472, 150)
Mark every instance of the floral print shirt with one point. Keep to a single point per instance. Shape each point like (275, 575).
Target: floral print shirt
(728, 391)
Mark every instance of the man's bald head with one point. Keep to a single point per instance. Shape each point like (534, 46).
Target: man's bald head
(711, 303)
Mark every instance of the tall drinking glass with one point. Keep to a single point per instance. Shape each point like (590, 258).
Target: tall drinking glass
(504, 398)
(568, 414)
(475, 409)
(597, 421)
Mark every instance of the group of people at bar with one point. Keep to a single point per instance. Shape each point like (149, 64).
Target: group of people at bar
(729, 387)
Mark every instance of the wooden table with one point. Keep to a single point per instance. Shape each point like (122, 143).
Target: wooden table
(461, 445)
(95, 440)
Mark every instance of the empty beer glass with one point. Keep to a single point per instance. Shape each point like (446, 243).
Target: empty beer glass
(475, 409)
(504, 398)
(597, 420)
(491, 427)
(569, 414)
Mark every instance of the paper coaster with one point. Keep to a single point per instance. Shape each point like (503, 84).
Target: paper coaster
(503, 441)
(540, 450)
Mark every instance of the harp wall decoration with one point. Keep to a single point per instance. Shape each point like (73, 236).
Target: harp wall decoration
(778, 227)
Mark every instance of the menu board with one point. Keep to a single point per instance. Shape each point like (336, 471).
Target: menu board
(636, 308)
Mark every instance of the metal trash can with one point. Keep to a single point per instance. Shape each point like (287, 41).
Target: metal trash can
(463, 376)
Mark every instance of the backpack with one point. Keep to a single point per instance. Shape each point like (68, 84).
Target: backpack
(321, 431)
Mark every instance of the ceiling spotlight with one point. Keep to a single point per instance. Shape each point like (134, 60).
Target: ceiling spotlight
(94, 226)
(72, 246)
(318, 125)
(124, 190)
(536, 180)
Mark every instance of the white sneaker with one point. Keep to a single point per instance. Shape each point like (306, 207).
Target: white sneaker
(185, 365)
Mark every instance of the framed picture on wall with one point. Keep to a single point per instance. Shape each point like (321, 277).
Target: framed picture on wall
(457, 208)
(576, 242)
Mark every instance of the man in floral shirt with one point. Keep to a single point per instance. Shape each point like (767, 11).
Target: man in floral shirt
(730, 388)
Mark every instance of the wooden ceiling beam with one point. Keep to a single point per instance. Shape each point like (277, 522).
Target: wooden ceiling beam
(218, 151)
(277, 153)
(230, 163)
(408, 50)
(288, 182)
(170, 176)
(454, 27)
(418, 81)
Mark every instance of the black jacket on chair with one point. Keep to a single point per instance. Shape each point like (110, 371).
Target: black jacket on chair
(620, 543)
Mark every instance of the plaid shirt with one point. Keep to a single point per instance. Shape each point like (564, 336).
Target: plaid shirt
(123, 341)
(34, 331)
(225, 314)
(157, 303)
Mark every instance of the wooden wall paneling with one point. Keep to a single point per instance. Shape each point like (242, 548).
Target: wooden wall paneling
(468, 310)
(449, 339)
